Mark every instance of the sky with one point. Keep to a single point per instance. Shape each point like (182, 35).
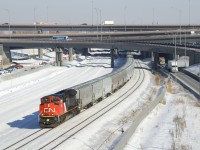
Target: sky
(93, 11)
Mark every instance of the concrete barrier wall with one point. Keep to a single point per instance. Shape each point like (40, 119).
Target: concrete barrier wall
(191, 74)
(136, 121)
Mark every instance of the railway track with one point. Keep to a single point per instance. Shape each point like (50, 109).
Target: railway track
(69, 133)
(26, 140)
(40, 135)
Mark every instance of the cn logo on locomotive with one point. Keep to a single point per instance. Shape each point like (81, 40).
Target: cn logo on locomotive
(46, 110)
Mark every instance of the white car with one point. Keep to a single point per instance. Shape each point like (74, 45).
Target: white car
(2, 71)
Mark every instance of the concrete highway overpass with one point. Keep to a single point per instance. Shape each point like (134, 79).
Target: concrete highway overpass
(95, 27)
(141, 44)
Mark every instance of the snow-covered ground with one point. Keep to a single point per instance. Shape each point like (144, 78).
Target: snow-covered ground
(194, 69)
(20, 97)
(170, 125)
(173, 124)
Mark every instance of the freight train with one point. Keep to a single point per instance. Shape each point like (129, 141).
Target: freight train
(60, 106)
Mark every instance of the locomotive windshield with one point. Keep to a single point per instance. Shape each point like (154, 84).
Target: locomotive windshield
(55, 100)
(44, 100)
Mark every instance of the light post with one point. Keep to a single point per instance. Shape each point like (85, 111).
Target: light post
(185, 43)
(189, 12)
(35, 21)
(125, 17)
(8, 22)
(176, 63)
(175, 47)
(47, 14)
(92, 12)
(100, 23)
(153, 15)
(97, 22)
(179, 11)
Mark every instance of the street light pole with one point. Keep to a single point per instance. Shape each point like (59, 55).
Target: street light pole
(189, 12)
(34, 21)
(100, 23)
(97, 22)
(9, 22)
(176, 63)
(125, 17)
(153, 15)
(179, 11)
(185, 43)
(92, 12)
(47, 14)
(180, 23)
(175, 48)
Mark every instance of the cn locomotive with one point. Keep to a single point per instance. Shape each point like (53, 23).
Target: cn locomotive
(60, 106)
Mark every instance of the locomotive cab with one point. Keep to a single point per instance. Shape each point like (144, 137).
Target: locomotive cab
(51, 108)
(56, 107)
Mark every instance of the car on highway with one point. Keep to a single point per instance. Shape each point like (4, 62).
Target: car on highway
(5, 23)
(10, 69)
(44, 63)
(17, 65)
(2, 71)
(84, 24)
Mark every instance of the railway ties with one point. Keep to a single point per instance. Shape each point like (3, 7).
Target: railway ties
(27, 139)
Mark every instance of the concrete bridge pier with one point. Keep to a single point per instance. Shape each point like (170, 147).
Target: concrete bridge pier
(40, 53)
(155, 60)
(59, 56)
(146, 54)
(194, 57)
(112, 57)
(5, 56)
(152, 59)
(70, 54)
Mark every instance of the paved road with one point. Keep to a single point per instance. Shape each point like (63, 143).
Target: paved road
(188, 81)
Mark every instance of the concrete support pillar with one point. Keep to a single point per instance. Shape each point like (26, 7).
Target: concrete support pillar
(155, 63)
(112, 58)
(40, 53)
(116, 53)
(70, 54)
(59, 56)
(5, 56)
(152, 56)
(148, 54)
